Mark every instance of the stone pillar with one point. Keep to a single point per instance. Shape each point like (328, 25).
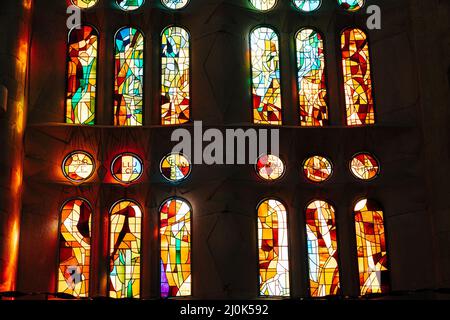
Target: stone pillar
(15, 19)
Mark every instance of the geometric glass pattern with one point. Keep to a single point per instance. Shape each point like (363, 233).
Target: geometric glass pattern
(175, 167)
(351, 5)
(266, 89)
(175, 230)
(175, 82)
(322, 249)
(317, 169)
(127, 168)
(129, 77)
(81, 76)
(78, 166)
(270, 167)
(311, 79)
(175, 4)
(84, 4)
(273, 249)
(125, 250)
(357, 78)
(364, 166)
(129, 5)
(371, 248)
(307, 5)
(263, 5)
(75, 248)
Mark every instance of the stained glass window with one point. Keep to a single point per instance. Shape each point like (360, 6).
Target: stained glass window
(371, 248)
(129, 5)
(125, 250)
(270, 167)
(129, 77)
(175, 167)
(84, 4)
(322, 249)
(351, 5)
(307, 5)
(364, 166)
(312, 89)
(273, 249)
(263, 5)
(175, 4)
(265, 61)
(78, 166)
(317, 169)
(175, 226)
(127, 168)
(75, 248)
(81, 76)
(357, 78)
(175, 83)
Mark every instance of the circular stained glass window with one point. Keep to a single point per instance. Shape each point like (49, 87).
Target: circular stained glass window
(175, 167)
(84, 4)
(351, 5)
(307, 5)
(317, 169)
(263, 5)
(129, 5)
(270, 167)
(364, 166)
(127, 168)
(175, 4)
(78, 166)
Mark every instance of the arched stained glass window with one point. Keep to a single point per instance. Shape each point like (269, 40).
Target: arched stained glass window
(81, 76)
(263, 5)
(357, 78)
(273, 249)
(371, 248)
(175, 82)
(322, 249)
(125, 250)
(175, 4)
(307, 5)
(175, 229)
(312, 89)
(129, 77)
(84, 4)
(75, 248)
(351, 5)
(129, 5)
(265, 61)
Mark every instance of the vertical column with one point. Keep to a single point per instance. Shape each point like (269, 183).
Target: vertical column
(15, 20)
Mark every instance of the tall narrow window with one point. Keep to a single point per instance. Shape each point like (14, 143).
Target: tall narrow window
(312, 89)
(322, 249)
(273, 249)
(265, 60)
(175, 229)
(357, 78)
(129, 77)
(125, 250)
(175, 83)
(371, 248)
(81, 76)
(75, 248)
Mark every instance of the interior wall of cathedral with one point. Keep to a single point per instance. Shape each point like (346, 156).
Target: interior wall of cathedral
(410, 57)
